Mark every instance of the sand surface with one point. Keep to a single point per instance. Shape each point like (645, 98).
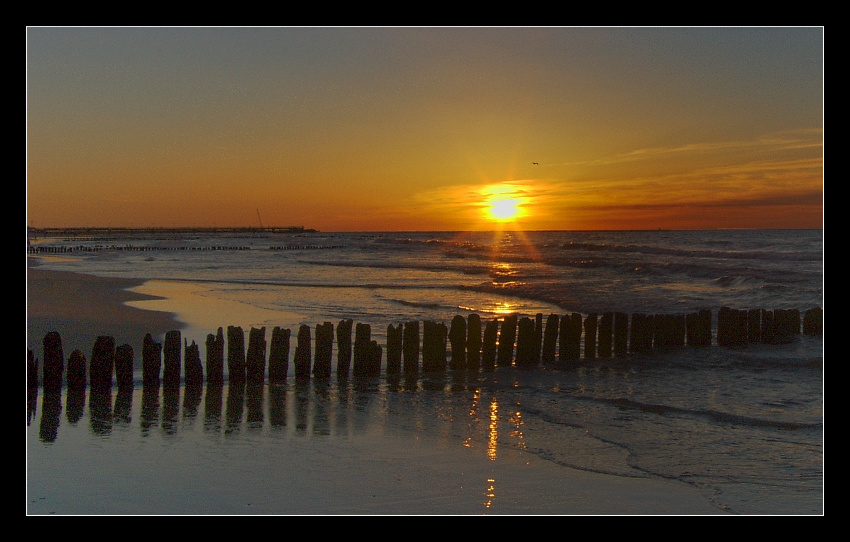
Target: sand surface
(82, 307)
(386, 473)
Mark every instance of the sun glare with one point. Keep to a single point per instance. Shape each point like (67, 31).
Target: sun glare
(504, 209)
(504, 203)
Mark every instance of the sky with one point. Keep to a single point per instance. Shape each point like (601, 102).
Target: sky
(425, 128)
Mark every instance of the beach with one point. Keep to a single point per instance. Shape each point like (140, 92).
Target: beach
(82, 307)
(379, 468)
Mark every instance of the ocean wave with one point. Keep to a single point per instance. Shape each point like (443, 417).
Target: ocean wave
(714, 415)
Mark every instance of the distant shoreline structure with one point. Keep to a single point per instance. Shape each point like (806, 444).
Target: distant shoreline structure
(159, 230)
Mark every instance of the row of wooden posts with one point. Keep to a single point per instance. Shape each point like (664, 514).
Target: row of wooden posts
(473, 345)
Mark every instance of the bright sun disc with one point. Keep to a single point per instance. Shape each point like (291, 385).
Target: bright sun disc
(504, 209)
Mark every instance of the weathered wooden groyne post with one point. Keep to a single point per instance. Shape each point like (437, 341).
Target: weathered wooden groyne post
(255, 359)
(151, 361)
(323, 360)
(54, 363)
(550, 340)
(32, 371)
(124, 367)
(786, 324)
(538, 337)
(235, 354)
(732, 327)
(102, 364)
(457, 341)
(621, 333)
(507, 337)
(698, 326)
(171, 360)
(473, 342)
(302, 355)
(215, 358)
(343, 341)
(813, 321)
(193, 372)
(410, 347)
(605, 335)
(77, 371)
(362, 346)
(569, 338)
(640, 339)
(525, 343)
(279, 355)
(434, 336)
(395, 339)
(754, 325)
(488, 344)
(668, 330)
(590, 322)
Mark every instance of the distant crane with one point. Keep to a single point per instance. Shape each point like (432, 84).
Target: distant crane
(534, 164)
(260, 220)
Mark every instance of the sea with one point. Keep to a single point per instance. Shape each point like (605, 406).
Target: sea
(742, 424)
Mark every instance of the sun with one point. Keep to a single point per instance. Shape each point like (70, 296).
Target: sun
(503, 203)
(503, 209)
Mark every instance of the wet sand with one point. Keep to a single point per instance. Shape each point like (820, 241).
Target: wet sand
(371, 476)
(82, 307)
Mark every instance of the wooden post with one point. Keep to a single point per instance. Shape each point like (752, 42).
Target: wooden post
(569, 338)
(343, 345)
(395, 337)
(323, 361)
(538, 337)
(193, 370)
(678, 329)
(434, 335)
(525, 343)
(102, 363)
(54, 363)
(124, 367)
(235, 354)
(362, 349)
(621, 333)
(698, 328)
(215, 358)
(457, 340)
(172, 362)
(151, 361)
(473, 342)
(590, 336)
(255, 360)
(279, 355)
(813, 321)
(754, 325)
(732, 327)
(606, 334)
(641, 333)
(410, 347)
(32, 371)
(786, 325)
(507, 336)
(488, 344)
(302, 353)
(77, 371)
(550, 340)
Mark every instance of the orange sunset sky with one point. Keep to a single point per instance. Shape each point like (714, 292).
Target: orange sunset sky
(423, 128)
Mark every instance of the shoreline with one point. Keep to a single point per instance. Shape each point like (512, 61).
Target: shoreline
(83, 307)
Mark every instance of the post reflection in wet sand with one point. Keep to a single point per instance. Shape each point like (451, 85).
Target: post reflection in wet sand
(298, 407)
